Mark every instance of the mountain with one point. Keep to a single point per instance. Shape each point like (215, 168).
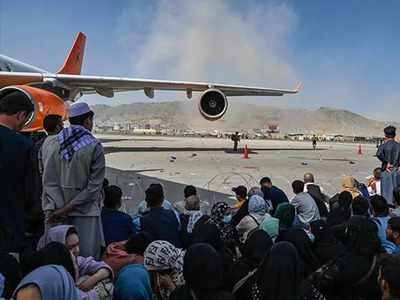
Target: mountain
(241, 116)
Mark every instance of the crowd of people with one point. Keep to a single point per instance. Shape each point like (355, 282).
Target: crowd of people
(63, 234)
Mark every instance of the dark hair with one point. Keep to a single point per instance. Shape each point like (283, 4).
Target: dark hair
(396, 194)
(379, 204)
(362, 236)
(105, 182)
(390, 131)
(71, 230)
(360, 206)
(298, 186)
(282, 261)
(345, 199)
(50, 122)
(189, 190)
(394, 223)
(79, 120)
(265, 180)
(14, 102)
(53, 254)
(390, 272)
(138, 243)
(113, 195)
(154, 195)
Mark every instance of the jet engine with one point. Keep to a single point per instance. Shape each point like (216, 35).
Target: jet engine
(213, 104)
(44, 102)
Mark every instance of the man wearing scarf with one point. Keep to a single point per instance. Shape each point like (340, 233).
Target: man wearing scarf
(389, 154)
(73, 173)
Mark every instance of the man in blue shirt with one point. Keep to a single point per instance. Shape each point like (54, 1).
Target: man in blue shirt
(162, 223)
(15, 111)
(272, 193)
(380, 210)
(117, 225)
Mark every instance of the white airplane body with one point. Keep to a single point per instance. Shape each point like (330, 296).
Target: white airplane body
(48, 91)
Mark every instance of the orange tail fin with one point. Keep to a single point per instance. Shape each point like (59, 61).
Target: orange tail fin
(73, 63)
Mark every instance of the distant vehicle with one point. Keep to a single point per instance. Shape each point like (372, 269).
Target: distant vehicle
(48, 92)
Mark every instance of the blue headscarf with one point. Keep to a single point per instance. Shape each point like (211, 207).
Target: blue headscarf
(53, 281)
(133, 283)
(257, 205)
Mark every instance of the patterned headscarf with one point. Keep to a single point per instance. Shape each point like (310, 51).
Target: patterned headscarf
(74, 138)
(218, 211)
(226, 231)
(255, 190)
(162, 255)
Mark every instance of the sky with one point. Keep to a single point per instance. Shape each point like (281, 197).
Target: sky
(346, 53)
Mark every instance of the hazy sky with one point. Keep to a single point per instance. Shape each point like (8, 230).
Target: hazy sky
(345, 52)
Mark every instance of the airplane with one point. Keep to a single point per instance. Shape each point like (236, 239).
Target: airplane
(49, 92)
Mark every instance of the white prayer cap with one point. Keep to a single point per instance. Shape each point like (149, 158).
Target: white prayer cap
(78, 109)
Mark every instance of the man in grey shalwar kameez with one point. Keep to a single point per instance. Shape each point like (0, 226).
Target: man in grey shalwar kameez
(389, 154)
(73, 167)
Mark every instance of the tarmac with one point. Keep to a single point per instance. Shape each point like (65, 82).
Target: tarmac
(133, 162)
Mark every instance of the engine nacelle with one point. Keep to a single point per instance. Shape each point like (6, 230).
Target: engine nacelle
(44, 102)
(213, 104)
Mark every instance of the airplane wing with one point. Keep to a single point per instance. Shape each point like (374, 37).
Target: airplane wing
(107, 86)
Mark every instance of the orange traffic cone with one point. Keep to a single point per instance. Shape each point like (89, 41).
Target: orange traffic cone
(246, 152)
(359, 149)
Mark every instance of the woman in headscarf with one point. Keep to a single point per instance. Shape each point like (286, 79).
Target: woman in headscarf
(271, 226)
(285, 212)
(325, 246)
(301, 241)
(120, 254)
(220, 216)
(353, 275)
(242, 274)
(203, 275)
(208, 233)
(279, 277)
(348, 185)
(256, 214)
(91, 272)
(165, 264)
(340, 214)
(47, 283)
(133, 283)
(58, 254)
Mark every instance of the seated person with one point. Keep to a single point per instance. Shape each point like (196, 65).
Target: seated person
(162, 223)
(190, 191)
(93, 271)
(120, 254)
(117, 225)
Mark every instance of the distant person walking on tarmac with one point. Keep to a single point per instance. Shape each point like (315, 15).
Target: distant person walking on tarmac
(389, 154)
(236, 139)
(73, 174)
(314, 142)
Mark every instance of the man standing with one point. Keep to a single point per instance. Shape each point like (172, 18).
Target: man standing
(15, 111)
(389, 154)
(306, 208)
(236, 139)
(73, 175)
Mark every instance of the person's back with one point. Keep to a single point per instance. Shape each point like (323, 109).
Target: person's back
(162, 223)
(380, 210)
(315, 192)
(306, 208)
(63, 180)
(117, 225)
(15, 110)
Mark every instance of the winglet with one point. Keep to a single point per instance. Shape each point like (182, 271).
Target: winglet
(298, 87)
(73, 63)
